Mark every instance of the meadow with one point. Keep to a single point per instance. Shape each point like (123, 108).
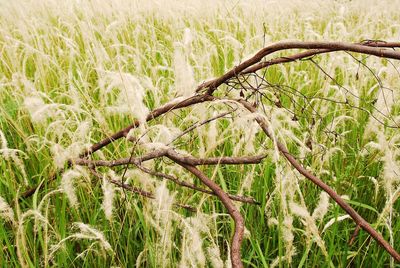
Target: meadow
(74, 72)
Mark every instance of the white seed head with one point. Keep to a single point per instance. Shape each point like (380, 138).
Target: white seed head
(322, 207)
(6, 211)
(108, 196)
(68, 185)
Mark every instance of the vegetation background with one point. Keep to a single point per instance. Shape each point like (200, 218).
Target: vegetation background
(72, 72)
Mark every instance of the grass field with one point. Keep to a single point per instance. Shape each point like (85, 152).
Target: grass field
(73, 72)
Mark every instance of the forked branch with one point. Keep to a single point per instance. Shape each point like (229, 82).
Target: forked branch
(204, 93)
(360, 221)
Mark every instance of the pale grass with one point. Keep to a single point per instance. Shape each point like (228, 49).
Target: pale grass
(80, 70)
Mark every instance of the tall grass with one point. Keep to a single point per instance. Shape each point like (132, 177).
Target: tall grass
(72, 72)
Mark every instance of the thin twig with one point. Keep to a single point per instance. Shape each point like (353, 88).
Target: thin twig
(354, 235)
(194, 126)
(137, 190)
(243, 199)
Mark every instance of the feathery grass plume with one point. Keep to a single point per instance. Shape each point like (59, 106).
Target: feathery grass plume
(278, 260)
(13, 154)
(108, 196)
(139, 259)
(21, 235)
(159, 135)
(284, 191)
(6, 211)
(311, 227)
(283, 126)
(214, 256)
(212, 134)
(192, 241)
(286, 188)
(86, 232)
(159, 214)
(322, 207)
(335, 220)
(248, 180)
(130, 96)
(43, 207)
(68, 182)
(288, 237)
(246, 126)
(385, 142)
(34, 100)
(78, 140)
(183, 71)
(39, 110)
(137, 177)
(100, 119)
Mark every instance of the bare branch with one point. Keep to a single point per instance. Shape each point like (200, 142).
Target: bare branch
(356, 217)
(243, 199)
(242, 73)
(154, 114)
(136, 190)
(184, 159)
(187, 159)
(310, 53)
(354, 235)
(232, 210)
(222, 160)
(375, 50)
(119, 162)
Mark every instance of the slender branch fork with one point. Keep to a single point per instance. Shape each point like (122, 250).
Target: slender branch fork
(204, 93)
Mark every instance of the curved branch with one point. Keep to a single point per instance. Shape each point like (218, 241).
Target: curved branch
(123, 132)
(356, 217)
(365, 48)
(243, 199)
(98, 163)
(153, 114)
(232, 210)
(310, 53)
(136, 190)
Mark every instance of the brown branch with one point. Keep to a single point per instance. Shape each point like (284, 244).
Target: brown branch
(291, 58)
(122, 133)
(354, 235)
(232, 210)
(52, 177)
(119, 162)
(184, 159)
(187, 159)
(153, 114)
(243, 199)
(374, 49)
(310, 53)
(137, 190)
(353, 214)
(223, 160)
